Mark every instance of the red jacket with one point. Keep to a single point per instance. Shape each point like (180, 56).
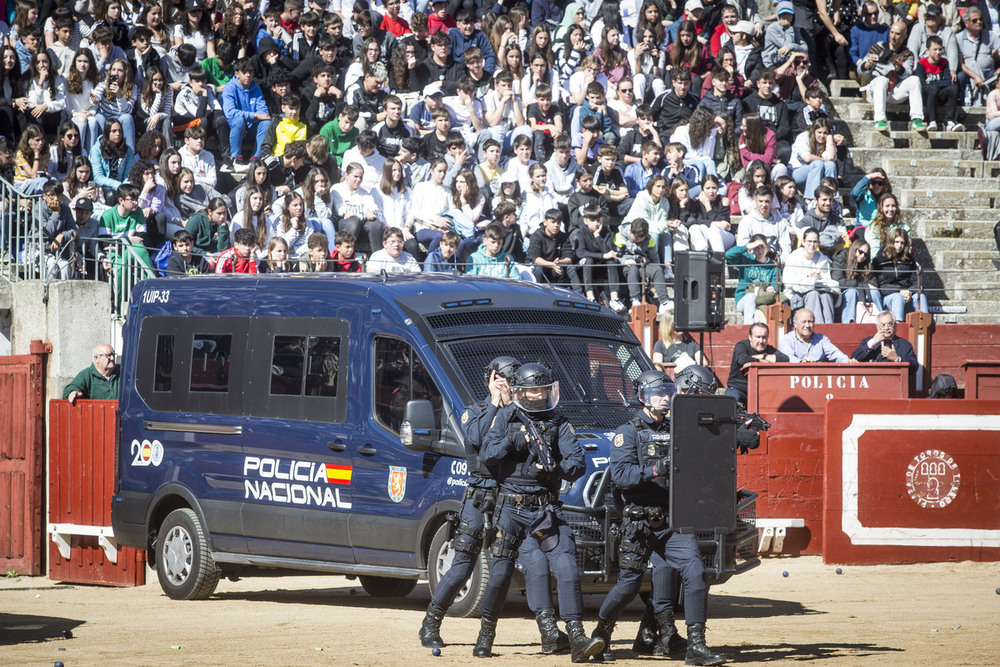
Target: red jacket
(230, 262)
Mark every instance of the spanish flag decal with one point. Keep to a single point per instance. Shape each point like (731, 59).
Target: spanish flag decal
(338, 474)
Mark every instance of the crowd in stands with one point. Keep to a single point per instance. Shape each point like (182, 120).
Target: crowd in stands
(566, 142)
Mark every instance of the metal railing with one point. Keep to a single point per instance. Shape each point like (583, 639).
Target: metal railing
(22, 256)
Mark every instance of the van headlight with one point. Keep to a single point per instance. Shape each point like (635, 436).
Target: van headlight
(406, 433)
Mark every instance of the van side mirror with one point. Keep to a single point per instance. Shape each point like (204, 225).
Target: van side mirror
(418, 430)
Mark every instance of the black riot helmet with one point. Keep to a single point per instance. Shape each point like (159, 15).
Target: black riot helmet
(535, 388)
(654, 384)
(695, 379)
(504, 367)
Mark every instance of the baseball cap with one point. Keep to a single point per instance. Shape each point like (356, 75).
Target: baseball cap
(83, 204)
(432, 89)
(194, 5)
(745, 27)
(785, 7)
(931, 9)
(692, 5)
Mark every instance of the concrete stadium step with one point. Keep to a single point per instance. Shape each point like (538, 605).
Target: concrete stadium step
(920, 140)
(965, 229)
(938, 199)
(927, 182)
(845, 88)
(867, 158)
(920, 215)
(972, 260)
(937, 245)
(935, 168)
(856, 109)
(861, 128)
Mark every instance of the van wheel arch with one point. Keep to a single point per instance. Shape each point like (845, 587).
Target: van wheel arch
(168, 500)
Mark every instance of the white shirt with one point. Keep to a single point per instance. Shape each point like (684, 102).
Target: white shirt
(373, 166)
(380, 259)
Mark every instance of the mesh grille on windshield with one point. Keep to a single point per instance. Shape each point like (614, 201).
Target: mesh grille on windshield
(513, 320)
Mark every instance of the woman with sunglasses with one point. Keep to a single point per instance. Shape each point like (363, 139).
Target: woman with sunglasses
(866, 193)
(852, 269)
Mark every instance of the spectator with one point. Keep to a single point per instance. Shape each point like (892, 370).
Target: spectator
(551, 253)
(852, 269)
(866, 193)
(759, 142)
(284, 129)
(980, 49)
(698, 136)
(637, 250)
(209, 229)
(675, 350)
(356, 207)
(772, 111)
(196, 29)
(344, 258)
(652, 204)
(184, 262)
(277, 257)
(98, 381)
(787, 206)
(610, 182)
(710, 209)
(111, 159)
(808, 281)
(676, 105)
(637, 174)
(342, 132)
(392, 258)
(782, 40)
(431, 200)
(611, 57)
(760, 221)
(755, 349)
(933, 24)
(465, 35)
(936, 85)
(758, 276)
(803, 344)
(885, 345)
(59, 231)
(584, 196)
(595, 254)
(688, 52)
(392, 196)
(240, 257)
(490, 259)
(897, 274)
(826, 221)
(889, 66)
(245, 108)
(115, 98)
(866, 34)
(444, 258)
(125, 224)
(749, 58)
(647, 62)
(720, 99)
(31, 162)
(888, 217)
(196, 158)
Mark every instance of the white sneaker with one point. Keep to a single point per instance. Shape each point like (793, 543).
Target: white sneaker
(954, 127)
(932, 126)
(617, 306)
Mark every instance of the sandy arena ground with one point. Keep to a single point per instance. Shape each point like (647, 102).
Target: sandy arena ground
(934, 614)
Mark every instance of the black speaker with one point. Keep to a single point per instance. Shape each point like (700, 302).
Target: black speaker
(699, 291)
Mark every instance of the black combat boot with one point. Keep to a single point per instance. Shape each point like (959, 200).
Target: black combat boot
(645, 640)
(603, 632)
(554, 640)
(670, 641)
(583, 647)
(484, 644)
(430, 630)
(698, 653)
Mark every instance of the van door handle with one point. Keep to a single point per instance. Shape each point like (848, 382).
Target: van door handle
(366, 450)
(336, 446)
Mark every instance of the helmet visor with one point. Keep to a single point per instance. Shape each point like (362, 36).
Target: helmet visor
(656, 392)
(537, 399)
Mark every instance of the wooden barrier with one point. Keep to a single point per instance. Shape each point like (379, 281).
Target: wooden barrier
(911, 481)
(82, 548)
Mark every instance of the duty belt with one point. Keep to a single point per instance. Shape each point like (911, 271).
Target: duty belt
(638, 513)
(472, 491)
(543, 498)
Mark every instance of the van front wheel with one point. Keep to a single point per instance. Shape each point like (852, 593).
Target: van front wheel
(439, 560)
(184, 563)
(386, 587)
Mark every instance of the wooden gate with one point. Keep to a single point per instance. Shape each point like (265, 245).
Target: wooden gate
(22, 390)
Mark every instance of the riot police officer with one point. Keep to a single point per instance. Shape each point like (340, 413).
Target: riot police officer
(479, 502)
(536, 449)
(640, 469)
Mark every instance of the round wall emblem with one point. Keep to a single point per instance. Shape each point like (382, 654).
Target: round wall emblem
(932, 479)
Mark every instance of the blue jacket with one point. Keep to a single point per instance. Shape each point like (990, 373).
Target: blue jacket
(242, 103)
(459, 43)
(102, 168)
(436, 262)
(862, 39)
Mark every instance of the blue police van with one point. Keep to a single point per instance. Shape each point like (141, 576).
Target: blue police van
(310, 423)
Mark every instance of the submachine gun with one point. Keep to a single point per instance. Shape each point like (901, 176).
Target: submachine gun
(539, 450)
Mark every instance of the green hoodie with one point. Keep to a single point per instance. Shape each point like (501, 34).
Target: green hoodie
(92, 384)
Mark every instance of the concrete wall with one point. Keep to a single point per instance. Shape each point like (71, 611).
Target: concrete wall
(71, 315)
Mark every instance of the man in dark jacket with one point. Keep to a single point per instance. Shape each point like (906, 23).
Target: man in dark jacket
(772, 111)
(675, 106)
(551, 254)
(97, 381)
(885, 346)
(755, 349)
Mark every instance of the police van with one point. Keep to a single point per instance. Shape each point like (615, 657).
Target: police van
(310, 423)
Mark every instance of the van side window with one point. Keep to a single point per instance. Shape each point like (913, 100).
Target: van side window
(400, 377)
(210, 355)
(305, 366)
(164, 363)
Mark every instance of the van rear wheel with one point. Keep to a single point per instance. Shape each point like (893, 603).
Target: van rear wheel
(471, 594)
(386, 587)
(184, 562)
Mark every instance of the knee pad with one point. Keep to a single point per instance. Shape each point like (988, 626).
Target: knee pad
(506, 545)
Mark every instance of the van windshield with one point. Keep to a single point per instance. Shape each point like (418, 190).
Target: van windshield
(593, 374)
